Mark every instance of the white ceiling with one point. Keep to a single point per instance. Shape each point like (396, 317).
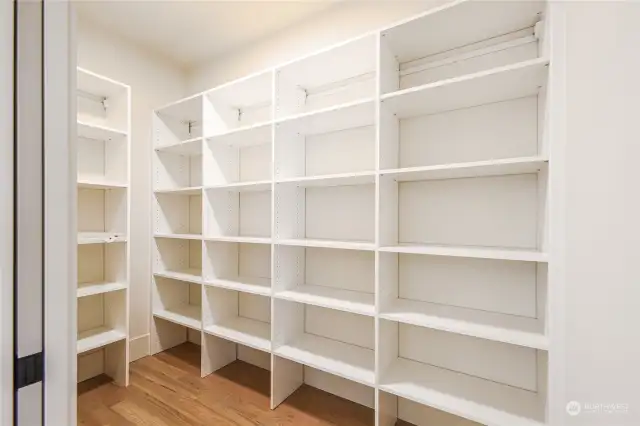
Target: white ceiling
(190, 32)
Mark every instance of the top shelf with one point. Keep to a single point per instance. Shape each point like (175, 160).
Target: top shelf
(98, 86)
(499, 84)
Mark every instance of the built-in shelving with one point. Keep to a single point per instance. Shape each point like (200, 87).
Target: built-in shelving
(377, 227)
(103, 203)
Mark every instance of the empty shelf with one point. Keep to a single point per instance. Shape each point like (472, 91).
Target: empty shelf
(100, 238)
(334, 119)
(194, 190)
(180, 236)
(473, 398)
(98, 132)
(253, 285)
(498, 253)
(510, 166)
(240, 239)
(342, 359)
(329, 297)
(189, 275)
(97, 338)
(256, 134)
(89, 289)
(346, 245)
(248, 332)
(504, 328)
(359, 178)
(188, 147)
(187, 315)
(263, 185)
(495, 85)
(100, 184)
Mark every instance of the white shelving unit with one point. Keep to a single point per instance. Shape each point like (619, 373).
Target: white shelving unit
(103, 227)
(374, 228)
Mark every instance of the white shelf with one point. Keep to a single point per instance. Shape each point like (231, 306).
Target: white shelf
(330, 297)
(248, 332)
(100, 184)
(98, 132)
(479, 400)
(179, 236)
(510, 166)
(188, 147)
(342, 359)
(346, 245)
(194, 190)
(240, 239)
(498, 84)
(333, 119)
(261, 286)
(498, 253)
(359, 178)
(100, 238)
(256, 134)
(262, 185)
(188, 275)
(512, 329)
(186, 315)
(97, 338)
(90, 289)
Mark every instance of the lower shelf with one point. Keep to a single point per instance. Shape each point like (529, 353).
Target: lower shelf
(186, 315)
(248, 332)
(342, 359)
(97, 338)
(473, 398)
(253, 285)
(330, 297)
(189, 275)
(510, 329)
(90, 289)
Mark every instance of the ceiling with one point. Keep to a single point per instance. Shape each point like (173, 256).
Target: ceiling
(190, 32)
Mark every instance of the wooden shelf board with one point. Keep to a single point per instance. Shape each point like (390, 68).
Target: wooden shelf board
(186, 315)
(189, 147)
(329, 297)
(100, 238)
(333, 119)
(100, 184)
(98, 132)
(179, 236)
(97, 338)
(90, 289)
(508, 166)
(498, 253)
(187, 275)
(343, 179)
(240, 239)
(193, 190)
(262, 185)
(483, 401)
(248, 332)
(261, 286)
(256, 134)
(346, 245)
(515, 330)
(499, 84)
(342, 359)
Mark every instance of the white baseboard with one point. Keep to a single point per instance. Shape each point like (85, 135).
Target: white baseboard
(138, 347)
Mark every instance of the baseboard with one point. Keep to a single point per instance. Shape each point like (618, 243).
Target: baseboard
(138, 347)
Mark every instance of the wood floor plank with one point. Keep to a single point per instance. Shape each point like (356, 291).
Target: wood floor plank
(167, 390)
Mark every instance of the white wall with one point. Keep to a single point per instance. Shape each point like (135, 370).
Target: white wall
(595, 328)
(154, 82)
(341, 22)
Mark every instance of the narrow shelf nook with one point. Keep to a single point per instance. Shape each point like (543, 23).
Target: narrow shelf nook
(178, 214)
(180, 259)
(237, 212)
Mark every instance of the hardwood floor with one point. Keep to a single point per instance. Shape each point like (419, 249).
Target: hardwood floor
(166, 390)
